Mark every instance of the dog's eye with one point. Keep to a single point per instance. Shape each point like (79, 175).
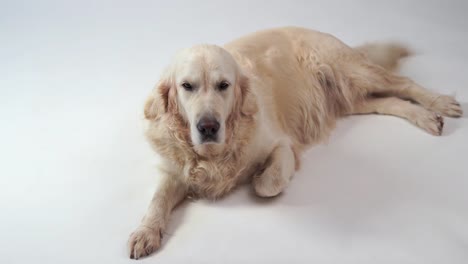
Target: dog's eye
(187, 86)
(223, 85)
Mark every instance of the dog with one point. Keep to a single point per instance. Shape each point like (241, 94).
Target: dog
(223, 116)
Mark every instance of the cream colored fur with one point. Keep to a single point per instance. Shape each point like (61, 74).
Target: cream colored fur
(287, 87)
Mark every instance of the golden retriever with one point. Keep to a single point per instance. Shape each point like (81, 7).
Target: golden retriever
(244, 112)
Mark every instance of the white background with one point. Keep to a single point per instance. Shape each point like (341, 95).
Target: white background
(76, 174)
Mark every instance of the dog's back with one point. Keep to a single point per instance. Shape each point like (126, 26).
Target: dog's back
(304, 76)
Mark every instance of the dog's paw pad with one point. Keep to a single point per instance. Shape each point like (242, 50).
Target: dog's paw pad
(431, 122)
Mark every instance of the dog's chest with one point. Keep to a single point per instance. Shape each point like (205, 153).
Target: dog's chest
(212, 179)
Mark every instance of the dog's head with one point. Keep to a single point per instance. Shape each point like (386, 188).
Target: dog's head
(205, 88)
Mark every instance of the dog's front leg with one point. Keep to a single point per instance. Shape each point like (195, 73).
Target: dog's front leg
(147, 237)
(279, 168)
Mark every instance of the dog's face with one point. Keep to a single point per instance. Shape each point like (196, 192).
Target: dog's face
(205, 88)
(205, 78)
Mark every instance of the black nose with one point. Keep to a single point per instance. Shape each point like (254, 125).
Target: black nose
(208, 127)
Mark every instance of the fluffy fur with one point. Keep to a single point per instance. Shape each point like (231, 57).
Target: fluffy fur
(287, 88)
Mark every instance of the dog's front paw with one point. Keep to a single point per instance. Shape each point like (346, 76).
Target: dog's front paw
(144, 241)
(270, 183)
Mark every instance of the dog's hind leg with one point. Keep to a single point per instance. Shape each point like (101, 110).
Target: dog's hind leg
(419, 116)
(383, 82)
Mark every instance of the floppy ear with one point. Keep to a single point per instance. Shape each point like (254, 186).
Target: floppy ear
(246, 103)
(162, 100)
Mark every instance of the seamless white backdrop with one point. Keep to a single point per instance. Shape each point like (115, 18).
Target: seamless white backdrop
(76, 174)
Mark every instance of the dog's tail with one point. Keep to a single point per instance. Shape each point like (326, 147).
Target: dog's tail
(386, 55)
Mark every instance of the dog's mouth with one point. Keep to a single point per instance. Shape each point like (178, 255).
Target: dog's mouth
(209, 148)
(209, 140)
